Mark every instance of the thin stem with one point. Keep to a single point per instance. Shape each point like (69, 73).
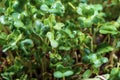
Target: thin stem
(92, 46)
(75, 53)
(11, 57)
(42, 67)
(63, 78)
(113, 52)
(108, 38)
(72, 5)
(118, 65)
(92, 38)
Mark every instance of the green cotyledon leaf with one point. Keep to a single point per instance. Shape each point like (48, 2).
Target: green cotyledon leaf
(109, 28)
(58, 26)
(68, 73)
(44, 7)
(18, 23)
(58, 74)
(87, 73)
(104, 48)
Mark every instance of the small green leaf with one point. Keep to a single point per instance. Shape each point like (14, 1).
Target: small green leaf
(7, 75)
(54, 43)
(118, 44)
(104, 59)
(85, 22)
(45, 29)
(56, 56)
(18, 23)
(58, 26)
(3, 37)
(79, 11)
(86, 59)
(88, 23)
(2, 20)
(87, 74)
(58, 74)
(109, 28)
(97, 63)
(87, 11)
(69, 32)
(68, 73)
(2, 10)
(44, 7)
(104, 48)
(38, 24)
(93, 57)
(50, 35)
(108, 32)
(114, 71)
(87, 51)
(98, 7)
(27, 42)
(81, 36)
(59, 67)
(57, 8)
(16, 16)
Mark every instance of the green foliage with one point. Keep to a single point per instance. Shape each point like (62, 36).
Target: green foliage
(50, 39)
(112, 29)
(62, 71)
(115, 74)
(87, 74)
